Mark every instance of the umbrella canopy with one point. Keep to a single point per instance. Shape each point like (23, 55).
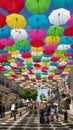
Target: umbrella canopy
(63, 3)
(5, 32)
(63, 47)
(1, 46)
(38, 21)
(20, 34)
(48, 49)
(7, 41)
(59, 16)
(68, 31)
(16, 21)
(55, 30)
(2, 20)
(66, 40)
(37, 34)
(52, 40)
(12, 6)
(36, 43)
(37, 6)
(23, 45)
(70, 21)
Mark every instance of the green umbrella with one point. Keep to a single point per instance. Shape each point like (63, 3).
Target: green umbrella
(22, 43)
(37, 6)
(55, 30)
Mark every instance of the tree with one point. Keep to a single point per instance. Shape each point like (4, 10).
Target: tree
(29, 94)
(42, 96)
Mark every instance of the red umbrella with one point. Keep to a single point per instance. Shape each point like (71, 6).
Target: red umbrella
(2, 20)
(12, 6)
(36, 43)
(55, 58)
(38, 78)
(37, 65)
(68, 31)
(61, 67)
(72, 46)
(26, 54)
(49, 49)
(1, 46)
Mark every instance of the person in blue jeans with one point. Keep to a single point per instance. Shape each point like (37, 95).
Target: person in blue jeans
(47, 112)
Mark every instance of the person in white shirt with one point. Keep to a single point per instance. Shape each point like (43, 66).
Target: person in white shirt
(13, 110)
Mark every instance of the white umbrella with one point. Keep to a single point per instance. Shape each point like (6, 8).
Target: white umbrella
(63, 47)
(20, 34)
(59, 16)
(62, 63)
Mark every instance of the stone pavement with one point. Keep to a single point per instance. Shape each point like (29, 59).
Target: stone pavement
(31, 122)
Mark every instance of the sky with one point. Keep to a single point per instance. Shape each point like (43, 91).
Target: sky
(27, 14)
(40, 91)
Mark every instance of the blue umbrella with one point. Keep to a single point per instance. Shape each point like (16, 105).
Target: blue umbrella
(66, 40)
(38, 21)
(3, 51)
(5, 32)
(53, 63)
(25, 49)
(70, 50)
(5, 64)
(62, 3)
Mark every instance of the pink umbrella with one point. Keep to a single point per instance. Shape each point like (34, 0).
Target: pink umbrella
(49, 49)
(7, 41)
(68, 54)
(55, 58)
(70, 21)
(70, 63)
(5, 55)
(37, 34)
(20, 64)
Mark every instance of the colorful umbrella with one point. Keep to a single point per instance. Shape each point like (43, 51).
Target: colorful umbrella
(23, 45)
(1, 46)
(63, 47)
(12, 6)
(55, 30)
(38, 21)
(37, 34)
(2, 20)
(52, 40)
(70, 21)
(63, 3)
(20, 34)
(16, 21)
(55, 59)
(66, 40)
(36, 43)
(5, 32)
(7, 41)
(68, 31)
(37, 6)
(48, 49)
(59, 16)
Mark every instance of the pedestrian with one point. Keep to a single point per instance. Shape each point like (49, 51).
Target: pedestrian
(56, 111)
(3, 109)
(13, 110)
(0, 110)
(41, 111)
(52, 112)
(47, 112)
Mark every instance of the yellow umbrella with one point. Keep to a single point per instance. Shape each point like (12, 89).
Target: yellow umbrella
(34, 49)
(52, 40)
(16, 21)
